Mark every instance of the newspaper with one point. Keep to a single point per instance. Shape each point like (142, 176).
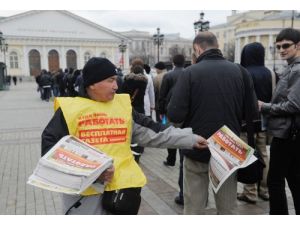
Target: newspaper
(70, 167)
(228, 153)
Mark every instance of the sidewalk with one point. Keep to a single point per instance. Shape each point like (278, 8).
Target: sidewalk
(23, 116)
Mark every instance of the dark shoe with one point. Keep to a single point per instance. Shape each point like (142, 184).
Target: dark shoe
(179, 200)
(264, 197)
(244, 198)
(166, 163)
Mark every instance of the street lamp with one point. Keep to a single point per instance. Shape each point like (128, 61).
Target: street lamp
(201, 24)
(122, 48)
(3, 46)
(158, 40)
(273, 52)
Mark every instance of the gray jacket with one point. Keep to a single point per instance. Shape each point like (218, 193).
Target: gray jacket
(285, 102)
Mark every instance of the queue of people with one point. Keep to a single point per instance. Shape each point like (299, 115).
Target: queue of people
(197, 101)
(59, 83)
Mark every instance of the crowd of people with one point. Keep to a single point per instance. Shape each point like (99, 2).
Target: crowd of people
(59, 83)
(180, 109)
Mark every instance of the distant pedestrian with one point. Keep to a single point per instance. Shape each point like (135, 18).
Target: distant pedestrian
(149, 98)
(161, 70)
(167, 86)
(15, 80)
(135, 84)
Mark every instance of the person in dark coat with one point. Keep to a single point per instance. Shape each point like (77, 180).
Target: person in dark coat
(135, 85)
(253, 59)
(120, 80)
(61, 83)
(168, 83)
(207, 96)
(46, 83)
(15, 80)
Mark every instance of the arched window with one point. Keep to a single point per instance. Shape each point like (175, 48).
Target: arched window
(14, 60)
(53, 60)
(34, 62)
(87, 56)
(71, 59)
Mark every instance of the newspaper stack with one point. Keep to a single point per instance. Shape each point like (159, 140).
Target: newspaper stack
(70, 167)
(228, 153)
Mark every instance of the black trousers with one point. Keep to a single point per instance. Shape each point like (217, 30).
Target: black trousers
(180, 179)
(171, 158)
(284, 164)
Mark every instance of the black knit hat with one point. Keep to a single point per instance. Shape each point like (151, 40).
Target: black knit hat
(96, 70)
(160, 66)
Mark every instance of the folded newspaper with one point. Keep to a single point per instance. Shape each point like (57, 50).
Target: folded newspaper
(228, 153)
(70, 167)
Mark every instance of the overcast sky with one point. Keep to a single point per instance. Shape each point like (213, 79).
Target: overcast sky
(169, 21)
(174, 16)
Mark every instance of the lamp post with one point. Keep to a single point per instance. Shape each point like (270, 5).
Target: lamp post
(3, 48)
(293, 17)
(201, 24)
(273, 52)
(158, 39)
(122, 48)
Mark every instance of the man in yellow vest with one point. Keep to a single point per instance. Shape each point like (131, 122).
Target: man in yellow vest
(106, 120)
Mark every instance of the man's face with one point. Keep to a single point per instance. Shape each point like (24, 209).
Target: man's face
(105, 90)
(287, 49)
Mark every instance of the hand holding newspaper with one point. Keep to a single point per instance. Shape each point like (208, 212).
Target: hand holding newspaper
(70, 167)
(228, 153)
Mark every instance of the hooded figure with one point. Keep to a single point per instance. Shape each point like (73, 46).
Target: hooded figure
(253, 59)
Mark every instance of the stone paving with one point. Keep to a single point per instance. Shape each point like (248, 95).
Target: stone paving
(22, 118)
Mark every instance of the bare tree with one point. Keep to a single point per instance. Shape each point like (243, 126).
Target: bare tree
(175, 50)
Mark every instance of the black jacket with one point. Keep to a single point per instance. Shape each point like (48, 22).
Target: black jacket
(135, 85)
(207, 96)
(253, 58)
(167, 85)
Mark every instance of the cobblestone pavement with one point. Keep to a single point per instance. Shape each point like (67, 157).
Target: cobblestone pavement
(22, 118)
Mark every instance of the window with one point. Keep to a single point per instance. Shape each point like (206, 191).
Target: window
(14, 60)
(87, 56)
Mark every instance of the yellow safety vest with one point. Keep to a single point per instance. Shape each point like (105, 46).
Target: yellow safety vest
(107, 126)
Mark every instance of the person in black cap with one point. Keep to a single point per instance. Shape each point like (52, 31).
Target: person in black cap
(106, 120)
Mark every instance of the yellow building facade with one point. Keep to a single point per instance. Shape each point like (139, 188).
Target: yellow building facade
(255, 26)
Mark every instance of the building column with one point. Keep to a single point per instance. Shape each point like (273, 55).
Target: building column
(44, 59)
(271, 44)
(237, 50)
(63, 60)
(25, 67)
(258, 38)
(246, 40)
(79, 58)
